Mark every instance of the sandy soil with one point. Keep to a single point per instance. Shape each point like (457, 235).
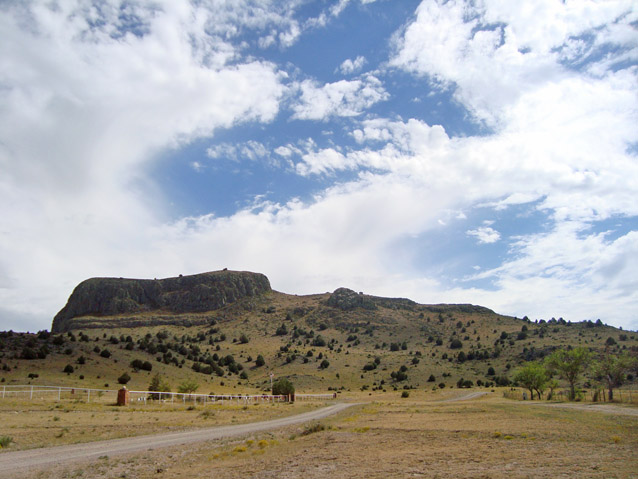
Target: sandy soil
(16, 463)
(388, 436)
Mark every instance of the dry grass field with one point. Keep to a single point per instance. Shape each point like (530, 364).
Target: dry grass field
(425, 435)
(34, 424)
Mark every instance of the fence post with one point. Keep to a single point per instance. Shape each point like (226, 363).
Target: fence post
(31, 395)
(88, 395)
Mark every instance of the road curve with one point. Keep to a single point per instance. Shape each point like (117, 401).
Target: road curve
(13, 462)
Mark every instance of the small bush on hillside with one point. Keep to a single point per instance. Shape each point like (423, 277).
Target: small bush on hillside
(124, 378)
(68, 369)
(319, 341)
(29, 353)
(105, 353)
(405, 394)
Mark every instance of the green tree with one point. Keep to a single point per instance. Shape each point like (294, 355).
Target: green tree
(188, 386)
(613, 370)
(569, 365)
(158, 383)
(552, 384)
(260, 361)
(534, 377)
(283, 387)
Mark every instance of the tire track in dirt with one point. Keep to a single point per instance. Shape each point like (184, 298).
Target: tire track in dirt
(11, 463)
(466, 397)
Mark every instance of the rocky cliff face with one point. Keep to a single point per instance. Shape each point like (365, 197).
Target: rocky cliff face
(346, 300)
(184, 294)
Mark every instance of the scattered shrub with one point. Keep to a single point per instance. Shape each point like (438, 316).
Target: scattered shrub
(124, 378)
(312, 428)
(5, 441)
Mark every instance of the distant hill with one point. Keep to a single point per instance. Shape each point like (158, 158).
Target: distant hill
(229, 330)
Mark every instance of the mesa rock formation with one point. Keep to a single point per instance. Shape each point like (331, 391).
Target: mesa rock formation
(126, 299)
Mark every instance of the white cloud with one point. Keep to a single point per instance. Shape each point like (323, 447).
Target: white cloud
(494, 52)
(101, 101)
(485, 234)
(351, 66)
(342, 98)
(251, 150)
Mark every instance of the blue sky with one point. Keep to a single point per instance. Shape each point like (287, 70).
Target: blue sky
(477, 152)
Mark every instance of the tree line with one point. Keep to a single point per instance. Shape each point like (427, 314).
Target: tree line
(570, 365)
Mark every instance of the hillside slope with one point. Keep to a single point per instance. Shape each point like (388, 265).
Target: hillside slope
(342, 340)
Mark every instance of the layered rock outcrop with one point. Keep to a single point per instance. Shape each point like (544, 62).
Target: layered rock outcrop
(184, 294)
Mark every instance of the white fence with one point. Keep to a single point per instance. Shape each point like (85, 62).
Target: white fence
(315, 397)
(155, 397)
(60, 393)
(55, 392)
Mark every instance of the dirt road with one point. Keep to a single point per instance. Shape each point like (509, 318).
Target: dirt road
(466, 397)
(12, 463)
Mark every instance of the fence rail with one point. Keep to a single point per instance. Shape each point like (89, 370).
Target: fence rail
(59, 393)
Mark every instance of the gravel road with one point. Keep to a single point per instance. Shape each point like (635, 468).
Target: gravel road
(12, 463)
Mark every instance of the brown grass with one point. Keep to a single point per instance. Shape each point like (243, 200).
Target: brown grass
(34, 424)
(421, 436)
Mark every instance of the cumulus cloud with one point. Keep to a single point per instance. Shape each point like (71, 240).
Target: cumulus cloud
(485, 234)
(492, 53)
(82, 116)
(341, 98)
(107, 96)
(351, 66)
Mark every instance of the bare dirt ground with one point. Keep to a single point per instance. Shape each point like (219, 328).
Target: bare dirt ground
(16, 463)
(389, 436)
(466, 397)
(602, 408)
